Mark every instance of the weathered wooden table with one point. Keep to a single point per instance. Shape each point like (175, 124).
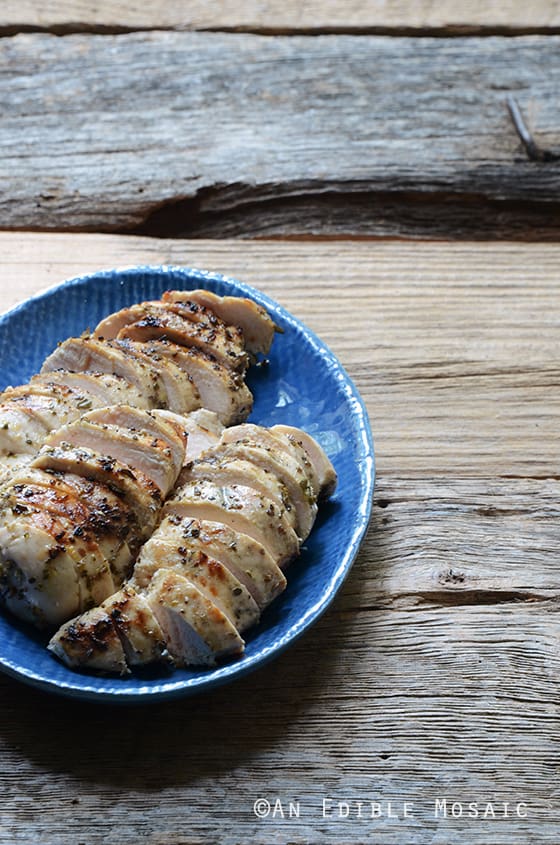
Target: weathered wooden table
(356, 161)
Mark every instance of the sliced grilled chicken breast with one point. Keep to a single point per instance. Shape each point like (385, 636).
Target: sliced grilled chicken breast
(108, 389)
(11, 464)
(203, 429)
(148, 455)
(243, 509)
(97, 517)
(247, 559)
(161, 425)
(181, 394)
(220, 390)
(38, 578)
(324, 472)
(139, 492)
(20, 429)
(257, 327)
(139, 631)
(150, 446)
(261, 436)
(157, 320)
(211, 577)
(53, 511)
(226, 470)
(87, 354)
(196, 631)
(91, 641)
(298, 493)
(52, 404)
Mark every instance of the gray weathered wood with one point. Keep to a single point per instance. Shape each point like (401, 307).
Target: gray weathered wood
(435, 673)
(281, 15)
(172, 130)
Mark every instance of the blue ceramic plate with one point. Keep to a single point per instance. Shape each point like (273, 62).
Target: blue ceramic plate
(304, 385)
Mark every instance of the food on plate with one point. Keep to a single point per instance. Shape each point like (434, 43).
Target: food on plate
(72, 520)
(216, 559)
(139, 513)
(174, 353)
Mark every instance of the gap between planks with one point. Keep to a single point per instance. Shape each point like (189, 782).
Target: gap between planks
(449, 17)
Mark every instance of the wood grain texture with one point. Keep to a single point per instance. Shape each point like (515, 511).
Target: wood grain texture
(435, 673)
(454, 347)
(285, 15)
(173, 132)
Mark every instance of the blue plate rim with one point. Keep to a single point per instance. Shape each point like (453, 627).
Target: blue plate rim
(169, 690)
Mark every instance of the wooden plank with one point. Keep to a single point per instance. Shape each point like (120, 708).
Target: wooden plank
(453, 346)
(171, 132)
(373, 705)
(273, 15)
(434, 675)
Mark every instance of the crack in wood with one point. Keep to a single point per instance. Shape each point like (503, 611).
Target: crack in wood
(395, 31)
(240, 211)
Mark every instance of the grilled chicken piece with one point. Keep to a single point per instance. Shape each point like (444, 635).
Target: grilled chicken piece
(261, 436)
(139, 631)
(203, 429)
(196, 631)
(105, 388)
(223, 469)
(92, 641)
(257, 327)
(247, 559)
(20, 429)
(298, 498)
(161, 425)
(213, 579)
(10, 464)
(324, 472)
(38, 577)
(157, 320)
(46, 508)
(137, 490)
(98, 517)
(87, 354)
(220, 390)
(243, 509)
(52, 405)
(181, 394)
(156, 453)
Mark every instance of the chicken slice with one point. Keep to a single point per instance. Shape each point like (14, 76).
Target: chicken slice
(181, 393)
(20, 429)
(87, 354)
(138, 629)
(52, 404)
(51, 510)
(243, 509)
(279, 464)
(247, 559)
(90, 641)
(220, 390)
(223, 469)
(196, 631)
(11, 464)
(324, 472)
(203, 429)
(158, 456)
(161, 425)
(105, 388)
(137, 490)
(213, 579)
(38, 578)
(96, 520)
(156, 320)
(257, 327)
